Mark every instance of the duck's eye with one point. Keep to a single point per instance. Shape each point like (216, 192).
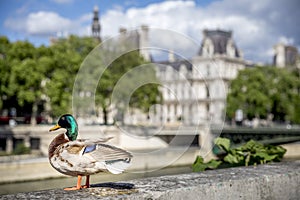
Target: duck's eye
(63, 118)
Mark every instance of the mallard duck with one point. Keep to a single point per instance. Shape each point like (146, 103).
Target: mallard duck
(80, 157)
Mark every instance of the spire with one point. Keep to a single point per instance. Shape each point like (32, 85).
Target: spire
(96, 25)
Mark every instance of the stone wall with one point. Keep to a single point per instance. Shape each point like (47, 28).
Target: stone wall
(272, 181)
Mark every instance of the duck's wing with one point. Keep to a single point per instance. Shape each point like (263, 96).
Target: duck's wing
(94, 152)
(78, 147)
(116, 159)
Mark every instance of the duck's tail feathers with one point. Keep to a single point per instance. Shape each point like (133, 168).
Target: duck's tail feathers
(117, 166)
(115, 159)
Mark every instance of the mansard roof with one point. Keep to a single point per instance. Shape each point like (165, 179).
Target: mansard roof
(219, 39)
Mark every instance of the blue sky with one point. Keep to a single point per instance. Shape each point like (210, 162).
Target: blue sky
(13, 10)
(257, 25)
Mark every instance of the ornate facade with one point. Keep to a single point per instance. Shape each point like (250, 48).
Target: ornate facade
(194, 91)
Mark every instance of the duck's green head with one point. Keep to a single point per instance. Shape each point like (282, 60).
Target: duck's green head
(68, 122)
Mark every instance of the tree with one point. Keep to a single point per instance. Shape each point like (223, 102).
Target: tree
(23, 75)
(67, 57)
(141, 98)
(5, 45)
(260, 91)
(26, 79)
(30, 75)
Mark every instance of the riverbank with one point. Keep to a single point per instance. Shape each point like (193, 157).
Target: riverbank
(38, 168)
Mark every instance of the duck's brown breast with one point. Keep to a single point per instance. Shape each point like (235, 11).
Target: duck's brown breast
(58, 140)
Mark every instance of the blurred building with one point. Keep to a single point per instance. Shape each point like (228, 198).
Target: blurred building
(285, 55)
(195, 90)
(137, 39)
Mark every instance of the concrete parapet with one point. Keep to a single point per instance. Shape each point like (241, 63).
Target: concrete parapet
(272, 181)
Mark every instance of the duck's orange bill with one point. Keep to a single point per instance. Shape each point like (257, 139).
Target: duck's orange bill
(55, 127)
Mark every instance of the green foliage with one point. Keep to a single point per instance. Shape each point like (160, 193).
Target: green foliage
(21, 73)
(223, 143)
(147, 95)
(260, 91)
(26, 79)
(251, 153)
(199, 164)
(21, 149)
(30, 75)
(66, 58)
(120, 70)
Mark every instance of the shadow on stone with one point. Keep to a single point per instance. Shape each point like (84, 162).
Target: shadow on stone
(119, 186)
(112, 189)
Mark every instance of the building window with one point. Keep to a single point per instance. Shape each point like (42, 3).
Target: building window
(35, 143)
(208, 70)
(207, 92)
(2, 144)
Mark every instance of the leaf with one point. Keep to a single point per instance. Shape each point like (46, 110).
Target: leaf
(265, 156)
(278, 150)
(199, 164)
(224, 143)
(234, 159)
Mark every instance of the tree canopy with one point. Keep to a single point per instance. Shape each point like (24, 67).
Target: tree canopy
(32, 76)
(141, 97)
(261, 91)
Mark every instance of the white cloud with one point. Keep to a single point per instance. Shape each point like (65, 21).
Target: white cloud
(256, 25)
(43, 23)
(285, 40)
(155, 15)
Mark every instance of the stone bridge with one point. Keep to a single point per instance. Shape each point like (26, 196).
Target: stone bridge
(38, 137)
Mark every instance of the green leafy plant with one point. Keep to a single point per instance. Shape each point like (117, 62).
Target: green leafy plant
(199, 164)
(251, 153)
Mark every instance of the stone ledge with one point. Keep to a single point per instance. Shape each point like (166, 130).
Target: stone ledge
(272, 181)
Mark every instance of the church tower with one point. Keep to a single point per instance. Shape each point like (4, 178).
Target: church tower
(96, 25)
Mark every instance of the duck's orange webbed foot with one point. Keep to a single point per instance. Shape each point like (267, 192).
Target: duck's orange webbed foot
(72, 188)
(78, 187)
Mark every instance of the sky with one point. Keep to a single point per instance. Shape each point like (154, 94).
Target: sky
(256, 25)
